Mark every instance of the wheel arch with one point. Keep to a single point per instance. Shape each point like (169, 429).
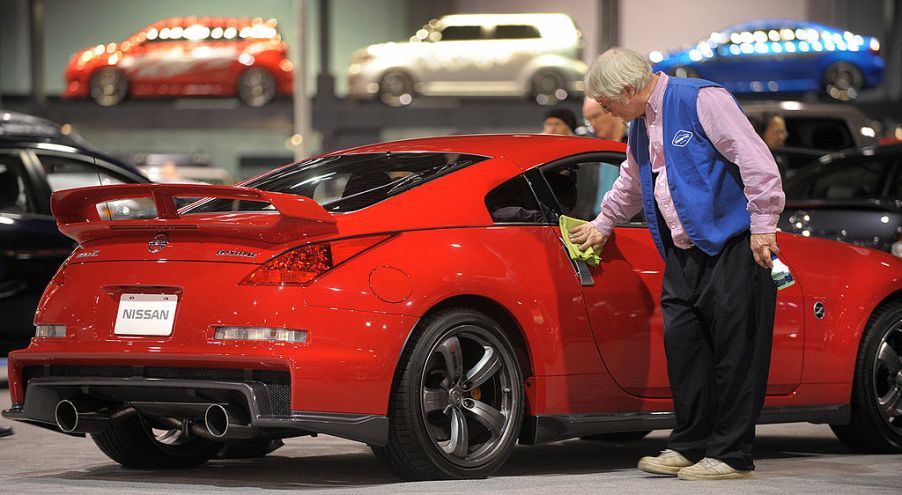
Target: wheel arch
(569, 69)
(483, 304)
(500, 314)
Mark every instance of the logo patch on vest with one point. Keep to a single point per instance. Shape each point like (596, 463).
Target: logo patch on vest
(681, 138)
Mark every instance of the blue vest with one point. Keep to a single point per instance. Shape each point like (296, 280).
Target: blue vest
(706, 188)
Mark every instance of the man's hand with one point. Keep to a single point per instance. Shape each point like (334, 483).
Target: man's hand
(586, 235)
(762, 247)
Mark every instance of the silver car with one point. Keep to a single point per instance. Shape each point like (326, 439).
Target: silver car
(530, 55)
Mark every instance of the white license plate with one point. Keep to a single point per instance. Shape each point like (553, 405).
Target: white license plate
(146, 314)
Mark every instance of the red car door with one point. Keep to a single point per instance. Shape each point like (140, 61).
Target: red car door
(622, 294)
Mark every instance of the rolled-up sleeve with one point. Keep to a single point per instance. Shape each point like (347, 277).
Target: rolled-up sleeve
(624, 199)
(731, 133)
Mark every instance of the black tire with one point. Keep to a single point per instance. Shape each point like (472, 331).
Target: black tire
(876, 420)
(457, 403)
(134, 443)
(257, 87)
(396, 88)
(842, 81)
(620, 436)
(108, 86)
(682, 71)
(548, 87)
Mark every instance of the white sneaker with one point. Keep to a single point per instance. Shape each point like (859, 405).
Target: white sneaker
(667, 462)
(712, 469)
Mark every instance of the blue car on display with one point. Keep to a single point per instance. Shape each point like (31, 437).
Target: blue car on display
(771, 56)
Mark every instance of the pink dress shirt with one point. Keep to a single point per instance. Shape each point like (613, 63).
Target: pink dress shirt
(730, 132)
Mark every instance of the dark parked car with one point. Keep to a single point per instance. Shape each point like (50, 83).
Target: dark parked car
(853, 196)
(38, 157)
(814, 129)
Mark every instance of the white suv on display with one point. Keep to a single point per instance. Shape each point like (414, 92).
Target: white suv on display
(532, 55)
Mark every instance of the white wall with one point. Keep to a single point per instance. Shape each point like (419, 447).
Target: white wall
(647, 25)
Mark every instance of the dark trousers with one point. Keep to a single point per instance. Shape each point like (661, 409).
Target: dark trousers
(718, 328)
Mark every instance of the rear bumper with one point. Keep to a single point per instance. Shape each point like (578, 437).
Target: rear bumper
(258, 400)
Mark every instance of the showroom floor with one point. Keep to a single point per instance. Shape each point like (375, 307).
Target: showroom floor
(795, 458)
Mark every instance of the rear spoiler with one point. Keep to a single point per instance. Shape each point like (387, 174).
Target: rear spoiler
(77, 216)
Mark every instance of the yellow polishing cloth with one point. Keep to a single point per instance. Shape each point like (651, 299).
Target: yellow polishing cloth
(589, 255)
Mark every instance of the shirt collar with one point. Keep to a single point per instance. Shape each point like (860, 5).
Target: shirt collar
(656, 98)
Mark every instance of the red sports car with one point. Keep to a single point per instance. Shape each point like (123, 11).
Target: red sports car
(186, 56)
(416, 296)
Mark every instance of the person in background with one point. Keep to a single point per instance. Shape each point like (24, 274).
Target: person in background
(601, 124)
(560, 121)
(712, 195)
(772, 129)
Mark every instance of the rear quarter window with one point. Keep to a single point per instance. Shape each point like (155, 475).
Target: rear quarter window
(344, 183)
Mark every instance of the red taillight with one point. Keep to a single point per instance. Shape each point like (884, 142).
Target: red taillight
(60, 275)
(302, 265)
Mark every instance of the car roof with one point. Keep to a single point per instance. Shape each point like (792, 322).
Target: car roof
(39, 144)
(211, 21)
(523, 150)
(759, 24)
(15, 126)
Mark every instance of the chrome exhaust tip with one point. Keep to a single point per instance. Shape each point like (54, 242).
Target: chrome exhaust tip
(216, 420)
(66, 416)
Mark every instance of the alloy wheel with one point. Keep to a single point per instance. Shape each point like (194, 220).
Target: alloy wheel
(257, 87)
(888, 377)
(549, 88)
(843, 81)
(108, 87)
(468, 395)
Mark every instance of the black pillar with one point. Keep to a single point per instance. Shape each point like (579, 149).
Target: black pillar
(325, 82)
(608, 24)
(36, 32)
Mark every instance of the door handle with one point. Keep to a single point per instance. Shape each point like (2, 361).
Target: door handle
(580, 267)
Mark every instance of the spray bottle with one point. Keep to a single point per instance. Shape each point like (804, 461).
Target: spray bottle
(780, 273)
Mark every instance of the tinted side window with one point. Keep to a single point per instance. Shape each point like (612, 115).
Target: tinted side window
(69, 173)
(461, 33)
(514, 202)
(580, 187)
(842, 181)
(512, 32)
(14, 197)
(820, 133)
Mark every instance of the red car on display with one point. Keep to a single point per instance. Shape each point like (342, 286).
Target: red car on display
(415, 296)
(186, 56)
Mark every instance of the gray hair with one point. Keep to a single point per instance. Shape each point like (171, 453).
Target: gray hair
(614, 70)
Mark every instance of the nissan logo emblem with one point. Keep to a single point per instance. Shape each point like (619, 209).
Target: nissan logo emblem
(158, 243)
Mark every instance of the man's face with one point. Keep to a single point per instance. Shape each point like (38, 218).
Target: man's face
(554, 125)
(626, 106)
(604, 125)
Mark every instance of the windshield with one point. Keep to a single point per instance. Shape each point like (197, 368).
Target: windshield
(345, 183)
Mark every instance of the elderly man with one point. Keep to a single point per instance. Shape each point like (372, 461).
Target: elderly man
(603, 124)
(711, 195)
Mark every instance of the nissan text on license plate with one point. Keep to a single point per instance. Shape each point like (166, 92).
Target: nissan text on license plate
(145, 314)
